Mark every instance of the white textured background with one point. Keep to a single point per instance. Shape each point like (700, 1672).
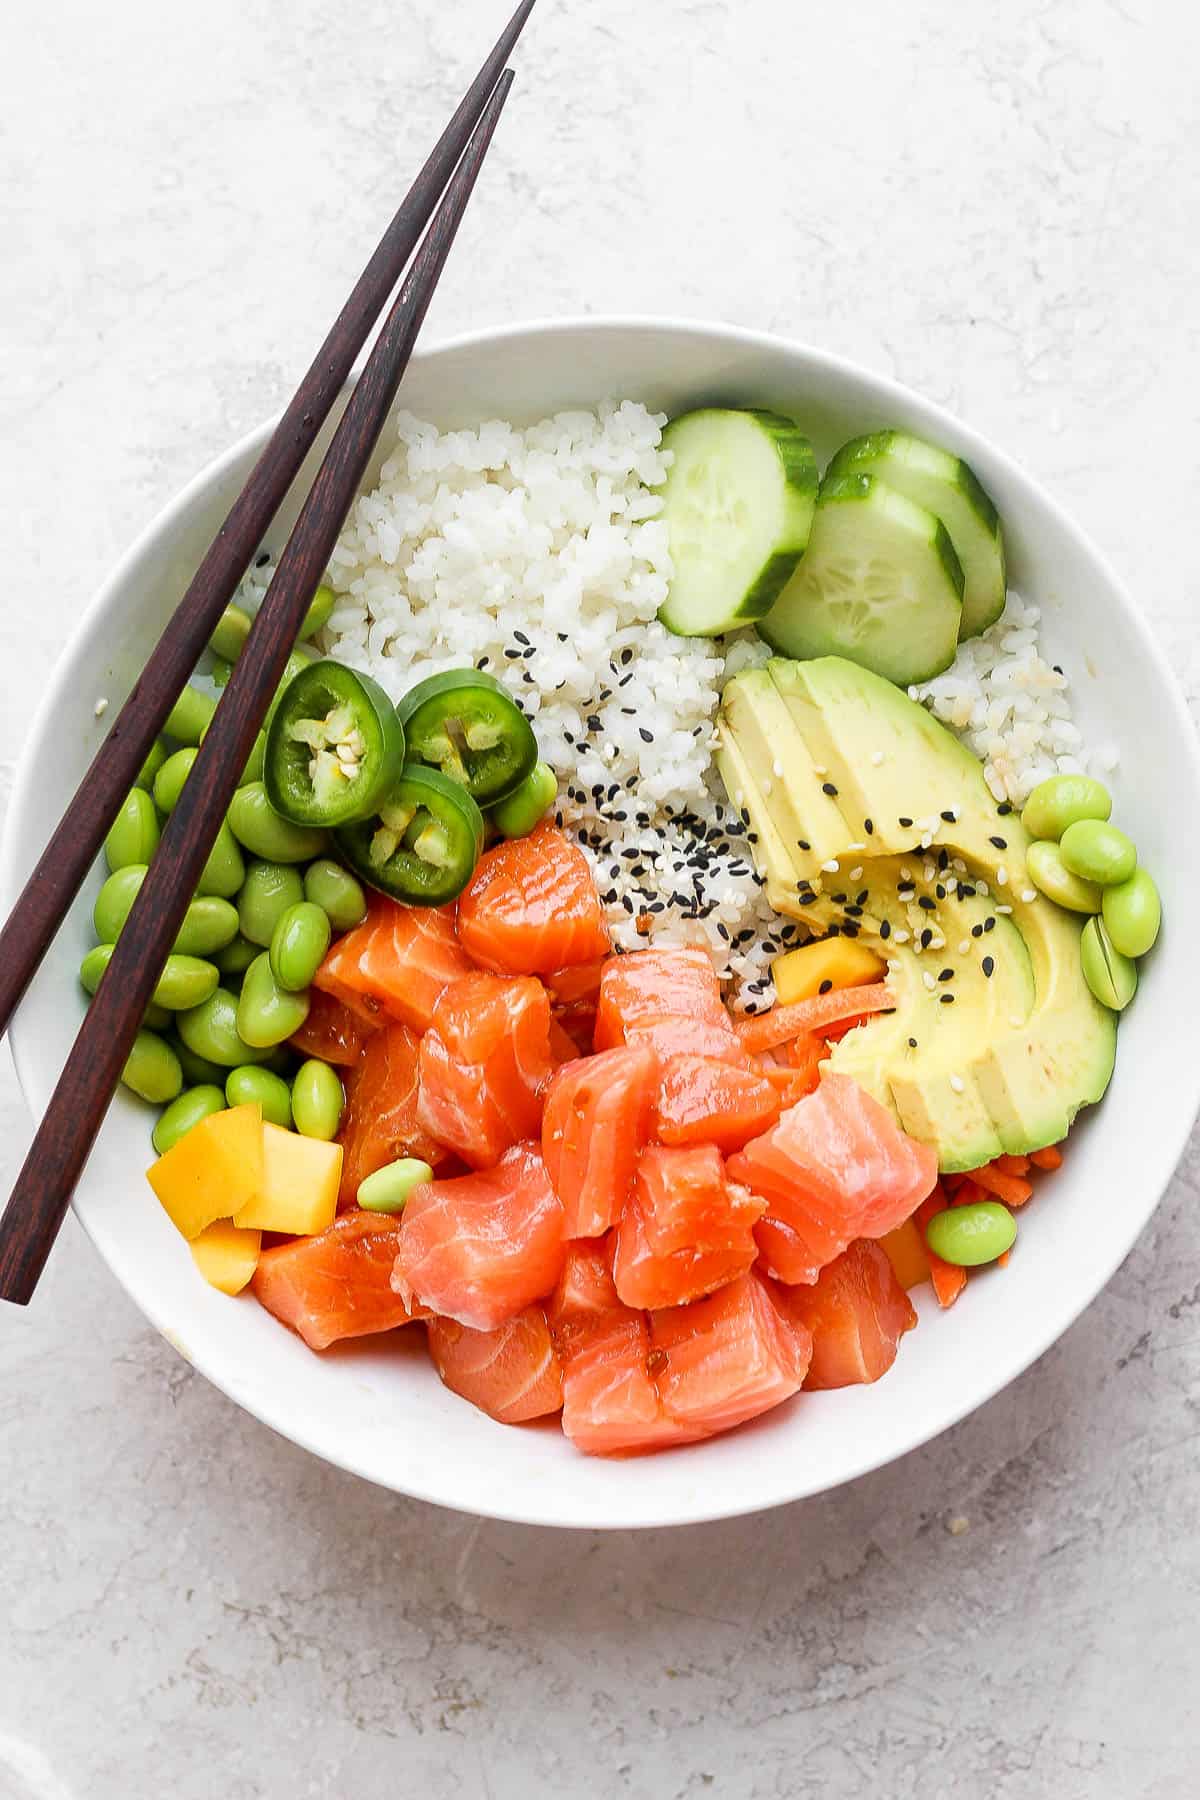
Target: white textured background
(995, 204)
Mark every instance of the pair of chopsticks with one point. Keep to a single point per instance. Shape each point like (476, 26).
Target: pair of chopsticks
(77, 1108)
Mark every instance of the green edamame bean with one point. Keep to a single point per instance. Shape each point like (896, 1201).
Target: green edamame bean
(152, 1069)
(1063, 800)
(256, 824)
(317, 1100)
(269, 890)
(298, 946)
(91, 969)
(156, 756)
(266, 1013)
(133, 834)
(1132, 914)
(516, 816)
(168, 783)
(971, 1235)
(1113, 978)
(1047, 871)
(230, 633)
(336, 892)
(157, 1018)
(237, 956)
(114, 902)
(317, 616)
(388, 1189)
(1098, 852)
(186, 1110)
(189, 716)
(299, 659)
(211, 1031)
(209, 924)
(248, 1086)
(198, 1071)
(225, 871)
(185, 982)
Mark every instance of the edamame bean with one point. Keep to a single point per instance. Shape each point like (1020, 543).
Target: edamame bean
(1112, 977)
(152, 1069)
(1132, 914)
(198, 1071)
(298, 946)
(189, 716)
(1063, 800)
(237, 956)
(970, 1235)
(188, 1109)
(211, 1031)
(157, 1018)
(517, 815)
(336, 892)
(230, 633)
(1098, 852)
(156, 756)
(248, 1086)
(317, 1100)
(224, 872)
(317, 616)
(133, 834)
(256, 824)
(168, 783)
(266, 1013)
(1047, 871)
(185, 982)
(387, 1190)
(209, 924)
(269, 890)
(114, 902)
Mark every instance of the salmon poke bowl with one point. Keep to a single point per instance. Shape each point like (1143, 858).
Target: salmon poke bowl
(683, 1005)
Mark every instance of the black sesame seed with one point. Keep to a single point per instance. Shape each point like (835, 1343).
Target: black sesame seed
(839, 899)
(912, 1043)
(512, 655)
(999, 842)
(926, 904)
(826, 987)
(940, 891)
(949, 816)
(1057, 667)
(803, 844)
(977, 931)
(827, 787)
(1004, 808)
(262, 561)
(943, 859)
(885, 930)
(869, 827)
(835, 931)
(854, 912)
(947, 999)
(520, 637)
(849, 929)
(988, 965)
(946, 975)
(905, 823)
(626, 654)
(806, 899)
(647, 737)
(989, 924)
(483, 663)
(926, 938)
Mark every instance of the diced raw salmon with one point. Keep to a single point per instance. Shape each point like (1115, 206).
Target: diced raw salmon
(835, 1167)
(531, 907)
(337, 1284)
(483, 1064)
(685, 1230)
(669, 999)
(380, 1122)
(585, 1299)
(574, 994)
(702, 1100)
(611, 1406)
(596, 1119)
(332, 1031)
(396, 963)
(723, 1360)
(857, 1313)
(481, 1248)
(511, 1373)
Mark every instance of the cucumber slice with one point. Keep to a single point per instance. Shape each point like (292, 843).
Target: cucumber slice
(949, 488)
(879, 584)
(738, 503)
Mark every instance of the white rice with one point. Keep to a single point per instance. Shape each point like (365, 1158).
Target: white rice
(539, 555)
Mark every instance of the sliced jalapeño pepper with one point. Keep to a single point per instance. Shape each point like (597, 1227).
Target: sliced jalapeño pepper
(423, 844)
(465, 724)
(335, 748)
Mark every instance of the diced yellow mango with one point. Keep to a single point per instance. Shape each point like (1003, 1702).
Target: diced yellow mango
(905, 1250)
(213, 1171)
(840, 961)
(299, 1188)
(226, 1256)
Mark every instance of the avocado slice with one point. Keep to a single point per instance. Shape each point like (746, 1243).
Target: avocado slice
(869, 817)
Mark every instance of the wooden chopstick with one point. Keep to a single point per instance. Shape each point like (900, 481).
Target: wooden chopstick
(47, 895)
(79, 1102)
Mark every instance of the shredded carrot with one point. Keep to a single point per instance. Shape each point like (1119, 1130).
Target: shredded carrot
(1004, 1259)
(1049, 1158)
(1012, 1165)
(817, 1013)
(967, 1192)
(1014, 1190)
(948, 1279)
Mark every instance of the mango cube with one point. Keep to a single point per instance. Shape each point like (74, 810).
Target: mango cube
(905, 1250)
(299, 1188)
(226, 1256)
(212, 1172)
(840, 961)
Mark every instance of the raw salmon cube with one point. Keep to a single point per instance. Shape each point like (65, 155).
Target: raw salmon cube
(483, 1064)
(380, 1123)
(669, 999)
(723, 1360)
(702, 1100)
(338, 1284)
(511, 1373)
(395, 964)
(585, 1299)
(857, 1313)
(685, 1230)
(531, 907)
(596, 1119)
(611, 1406)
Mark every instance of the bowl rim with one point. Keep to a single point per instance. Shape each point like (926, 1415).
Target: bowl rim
(685, 1509)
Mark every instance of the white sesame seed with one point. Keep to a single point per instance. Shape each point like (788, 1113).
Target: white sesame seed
(964, 946)
(856, 874)
(926, 840)
(818, 770)
(905, 874)
(831, 867)
(1028, 895)
(929, 981)
(101, 707)
(876, 758)
(767, 789)
(777, 770)
(959, 866)
(901, 936)
(1004, 909)
(856, 846)
(1002, 876)
(958, 1084)
(981, 887)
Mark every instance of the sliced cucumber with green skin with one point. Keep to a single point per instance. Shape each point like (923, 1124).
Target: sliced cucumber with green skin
(879, 584)
(738, 503)
(948, 488)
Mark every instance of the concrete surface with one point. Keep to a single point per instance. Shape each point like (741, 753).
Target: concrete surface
(996, 205)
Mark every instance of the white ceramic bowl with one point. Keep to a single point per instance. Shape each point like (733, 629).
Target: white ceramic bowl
(381, 1411)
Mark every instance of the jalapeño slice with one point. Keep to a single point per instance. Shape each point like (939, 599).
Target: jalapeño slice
(465, 724)
(423, 845)
(335, 748)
